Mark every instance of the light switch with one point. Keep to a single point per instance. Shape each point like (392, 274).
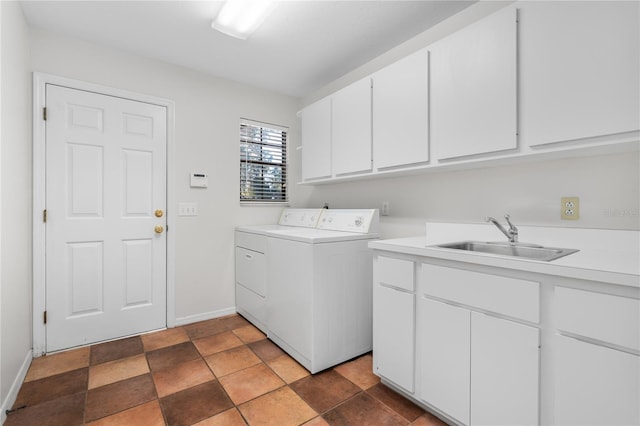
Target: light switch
(188, 209)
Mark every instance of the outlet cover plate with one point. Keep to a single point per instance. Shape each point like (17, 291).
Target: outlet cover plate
(570, 208)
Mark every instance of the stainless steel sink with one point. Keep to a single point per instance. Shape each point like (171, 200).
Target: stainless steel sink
(522, 250)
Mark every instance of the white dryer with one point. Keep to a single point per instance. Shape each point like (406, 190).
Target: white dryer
(318, 287)
(251, 262)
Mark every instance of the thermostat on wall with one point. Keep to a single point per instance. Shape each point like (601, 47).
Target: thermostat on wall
(199, 180)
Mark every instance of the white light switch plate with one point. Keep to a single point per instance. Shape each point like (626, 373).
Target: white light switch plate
(188, 209)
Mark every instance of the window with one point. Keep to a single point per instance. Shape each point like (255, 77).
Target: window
(263, 162)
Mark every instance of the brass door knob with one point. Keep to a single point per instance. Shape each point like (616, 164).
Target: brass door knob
(159, 213)
(159, 229)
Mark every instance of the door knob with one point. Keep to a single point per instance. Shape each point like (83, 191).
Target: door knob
(159, 213)
(159, 229)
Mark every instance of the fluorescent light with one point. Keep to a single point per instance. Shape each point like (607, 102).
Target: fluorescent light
(240, 18)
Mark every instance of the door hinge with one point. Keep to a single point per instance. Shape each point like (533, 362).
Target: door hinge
(44, 317)
(44, 215)
(44, 113)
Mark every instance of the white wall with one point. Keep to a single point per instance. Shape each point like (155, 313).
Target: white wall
(608, 185)
(15, 192)
(207, 113)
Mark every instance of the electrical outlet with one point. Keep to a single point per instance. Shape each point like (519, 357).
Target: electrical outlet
(570, 208)
(385, 209)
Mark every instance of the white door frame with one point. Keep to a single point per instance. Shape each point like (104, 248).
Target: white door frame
(40, 80)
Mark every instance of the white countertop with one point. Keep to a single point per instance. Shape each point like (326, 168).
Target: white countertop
(610, 256)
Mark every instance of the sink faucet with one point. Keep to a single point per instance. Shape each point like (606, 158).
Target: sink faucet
(511, 234)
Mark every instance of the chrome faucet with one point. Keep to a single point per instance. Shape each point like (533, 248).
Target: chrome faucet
(511, 234)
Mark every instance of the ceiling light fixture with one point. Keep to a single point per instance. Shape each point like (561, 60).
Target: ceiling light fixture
(240, 18)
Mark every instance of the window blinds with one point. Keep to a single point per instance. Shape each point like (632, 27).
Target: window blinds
(263, 162)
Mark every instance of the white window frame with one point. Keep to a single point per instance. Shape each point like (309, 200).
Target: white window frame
(285, 164)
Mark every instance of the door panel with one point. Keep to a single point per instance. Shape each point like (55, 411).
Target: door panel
(445, 357)
(105, 176)
(85, 286)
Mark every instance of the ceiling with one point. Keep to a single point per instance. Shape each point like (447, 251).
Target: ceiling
(301, 46)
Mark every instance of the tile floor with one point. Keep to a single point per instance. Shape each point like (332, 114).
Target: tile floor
(218, 372)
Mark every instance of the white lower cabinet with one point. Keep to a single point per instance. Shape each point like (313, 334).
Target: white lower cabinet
(595, 385)
(445, 347)
(597, 358)
(394, 321)
(475, 368)
(479, 345)
(504, 372)
(394, 329)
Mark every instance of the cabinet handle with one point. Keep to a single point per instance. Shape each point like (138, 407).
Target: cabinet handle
(248, 256)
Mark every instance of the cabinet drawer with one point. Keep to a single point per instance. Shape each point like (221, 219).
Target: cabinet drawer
(503, 295)
(251, 270)
(394, 272)
(250, 241)
(613, 319)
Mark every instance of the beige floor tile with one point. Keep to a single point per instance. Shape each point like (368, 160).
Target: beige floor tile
(148, 414)
(288, 368)
(230, 417)
(217, 343)
(234, 321)
(359, 371)
(181, 376)
(249, 383)
(114, 371)
(317, 421)
(249, 334)
(236, 359)
(278, 408)
(62, 362)
(164, 338)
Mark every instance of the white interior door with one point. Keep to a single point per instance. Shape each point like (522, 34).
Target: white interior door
(105, 201)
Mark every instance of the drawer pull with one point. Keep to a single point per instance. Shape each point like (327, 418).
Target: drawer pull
(248, 256)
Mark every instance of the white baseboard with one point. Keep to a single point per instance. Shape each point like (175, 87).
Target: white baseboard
(15, 387)
(204, 316)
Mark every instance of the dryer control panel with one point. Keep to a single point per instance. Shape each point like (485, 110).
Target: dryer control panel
(363, 221)
(306, 218)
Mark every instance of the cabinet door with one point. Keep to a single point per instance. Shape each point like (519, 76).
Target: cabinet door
(394, 335)
(400, 112)
(473, 88)
(595, 385)
(580, 63)
(444, 341)
(316, 140)
(504, 372)
(351, 128)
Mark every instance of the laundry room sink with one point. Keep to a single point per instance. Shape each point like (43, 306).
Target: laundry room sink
(521, 250)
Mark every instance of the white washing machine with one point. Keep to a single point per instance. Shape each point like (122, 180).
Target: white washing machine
(316, 300)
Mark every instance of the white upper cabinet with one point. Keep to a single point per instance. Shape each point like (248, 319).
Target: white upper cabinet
(579, 70)
(401, 111)
(474, 88)
(351, 128)
(316, 140)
